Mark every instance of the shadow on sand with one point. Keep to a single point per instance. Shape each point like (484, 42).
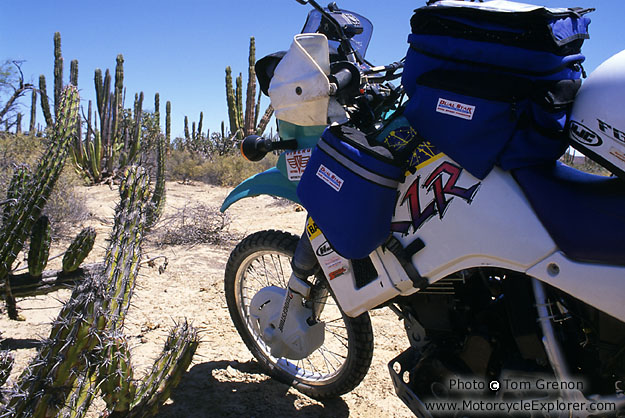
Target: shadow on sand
(200, 394)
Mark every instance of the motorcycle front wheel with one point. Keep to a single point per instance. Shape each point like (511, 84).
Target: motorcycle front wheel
(339, 365)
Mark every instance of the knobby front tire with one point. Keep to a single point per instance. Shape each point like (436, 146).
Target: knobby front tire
(340, 364)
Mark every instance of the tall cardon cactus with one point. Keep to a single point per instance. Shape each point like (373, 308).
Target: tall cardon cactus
(115, 141)
(58, 83)
(86, 354)
(243, 123)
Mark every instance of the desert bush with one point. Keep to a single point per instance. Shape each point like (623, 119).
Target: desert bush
(193, 224)
(220, 170)
(64, 207)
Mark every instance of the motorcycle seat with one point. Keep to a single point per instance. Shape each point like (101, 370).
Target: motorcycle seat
(584, 213)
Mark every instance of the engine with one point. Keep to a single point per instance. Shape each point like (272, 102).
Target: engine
(482, 325)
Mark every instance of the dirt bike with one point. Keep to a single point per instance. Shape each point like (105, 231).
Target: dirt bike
(508, 278)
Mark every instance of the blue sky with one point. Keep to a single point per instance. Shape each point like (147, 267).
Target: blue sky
(180, 49)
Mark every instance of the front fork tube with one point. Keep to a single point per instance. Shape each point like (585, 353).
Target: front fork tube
(304, 265)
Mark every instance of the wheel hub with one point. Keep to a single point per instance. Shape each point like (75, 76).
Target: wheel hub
(281, 318)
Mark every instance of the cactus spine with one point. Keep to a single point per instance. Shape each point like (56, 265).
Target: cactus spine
(78, 250)
(6, 364)
(29, 205)
(40, 239)
(243, 124)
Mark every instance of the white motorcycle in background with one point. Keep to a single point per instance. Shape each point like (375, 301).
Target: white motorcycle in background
(502, 283)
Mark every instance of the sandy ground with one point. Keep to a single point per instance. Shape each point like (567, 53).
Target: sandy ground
(224, 380)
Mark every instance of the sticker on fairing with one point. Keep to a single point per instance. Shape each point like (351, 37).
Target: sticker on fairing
(618, 154)
(457, 109)
(333, 262)
(337, 273)
(296, 162)
(324, 249)
(329, 178)
(312, 229)
(584, 135)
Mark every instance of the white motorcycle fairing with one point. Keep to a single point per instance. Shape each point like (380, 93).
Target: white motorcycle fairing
(466, 223)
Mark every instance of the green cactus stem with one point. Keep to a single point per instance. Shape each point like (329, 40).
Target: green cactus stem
(187, 135)
(97, 308)
(106, 151)
(40, 239)
(81, 396)
(232, 102)
(116, 374)
(250, 95)
(166, 373)
(18, 124)
(73, 73)
(86, 352)
(157, 111)
(118, 91)
(30, 204)
(168, 122)
(79, 249)
(239, 98)
(58, 72)
(157, 202)
(17, 186)
(45, 103)
(264, 121)
(243, 123)
(33, 113)
(199, 125)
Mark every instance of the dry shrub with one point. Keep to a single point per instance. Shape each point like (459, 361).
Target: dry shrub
(219, 170)
(193, 224)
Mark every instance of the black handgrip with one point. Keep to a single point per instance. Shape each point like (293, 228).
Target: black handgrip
(341, 79)
(346, 77)
(254, 147)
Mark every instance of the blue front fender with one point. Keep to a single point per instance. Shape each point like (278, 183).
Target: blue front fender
(271, 182)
